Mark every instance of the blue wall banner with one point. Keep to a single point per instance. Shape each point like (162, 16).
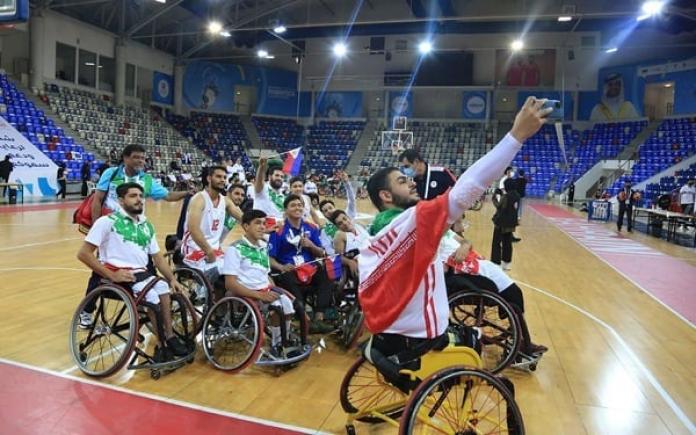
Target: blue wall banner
(474, 105)
(400, 103)
(566, 99)
(210, 86)
(339, 105)
(619, 95)
(162, 88)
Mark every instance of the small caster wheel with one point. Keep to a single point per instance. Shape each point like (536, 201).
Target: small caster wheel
(350, 429)
(532, 367)
(190, 360)
(155, 374)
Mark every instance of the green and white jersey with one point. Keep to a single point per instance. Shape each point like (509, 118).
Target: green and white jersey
(249, 263)
(269, 201)
(122, 241)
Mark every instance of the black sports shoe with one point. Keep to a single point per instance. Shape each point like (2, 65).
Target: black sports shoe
(177, 346)
(515, 239)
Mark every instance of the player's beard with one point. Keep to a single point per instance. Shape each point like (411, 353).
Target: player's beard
(135, 209)
(276, 184)
(404, 202)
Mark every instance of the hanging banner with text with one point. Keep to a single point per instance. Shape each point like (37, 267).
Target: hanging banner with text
(31, 167)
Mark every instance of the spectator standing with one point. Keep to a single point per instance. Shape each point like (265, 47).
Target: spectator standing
(687, 197)
(62, 181)
(85, 176)
(625, 199)
(521, 187)
(571, 193)
(431, 181)
(6, 167)
(504, 221)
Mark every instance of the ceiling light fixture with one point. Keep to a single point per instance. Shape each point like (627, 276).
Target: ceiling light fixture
(517, 45)
(215, 27)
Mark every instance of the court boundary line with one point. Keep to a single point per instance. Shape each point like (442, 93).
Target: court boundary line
(72, 269)
(169, 400)
(29, 245)
(676, 409)
(628, 278)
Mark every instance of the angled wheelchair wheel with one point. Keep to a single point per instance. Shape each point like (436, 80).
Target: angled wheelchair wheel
(184, 318)
(233, 334)
(497, 321)
(353, 327)
(462, 401)
(104, 347)
(199, 290)
(364, 389)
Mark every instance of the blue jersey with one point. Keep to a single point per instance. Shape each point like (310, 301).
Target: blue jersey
(283, 244)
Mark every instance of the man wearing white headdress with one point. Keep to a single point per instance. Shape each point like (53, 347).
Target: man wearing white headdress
(613, 105)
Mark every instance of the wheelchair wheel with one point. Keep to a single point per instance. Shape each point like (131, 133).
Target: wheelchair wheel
(184, 318)
(199, 289)
(497, 321)
(364, 389)
(233, 334)
(462, 401)
(353, 327)
(105, 347)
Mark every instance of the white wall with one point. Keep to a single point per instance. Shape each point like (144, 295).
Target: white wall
(61, 28)
(362, 71)
(14, 44)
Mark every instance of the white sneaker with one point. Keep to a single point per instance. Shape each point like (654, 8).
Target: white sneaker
(85, 320)
(506, 266)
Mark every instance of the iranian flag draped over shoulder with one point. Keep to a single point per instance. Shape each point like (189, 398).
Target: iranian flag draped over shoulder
(394, 264)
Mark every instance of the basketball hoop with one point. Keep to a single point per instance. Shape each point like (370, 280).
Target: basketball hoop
(398, 139)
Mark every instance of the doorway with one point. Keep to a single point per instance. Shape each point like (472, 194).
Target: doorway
(244, 99)
(659, 100)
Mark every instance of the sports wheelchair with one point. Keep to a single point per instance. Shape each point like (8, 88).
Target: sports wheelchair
(201, 292)
(499, 323)
(116, 335)
(235, 332)
(442, 391)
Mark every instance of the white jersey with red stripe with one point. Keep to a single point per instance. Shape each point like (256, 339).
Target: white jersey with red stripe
(212, 226)
(427, 313)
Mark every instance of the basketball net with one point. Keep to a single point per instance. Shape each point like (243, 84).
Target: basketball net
(398, 138)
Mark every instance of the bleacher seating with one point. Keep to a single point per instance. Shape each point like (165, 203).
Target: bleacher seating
(106, 126)
(219, 136)
(455, 145)
(673, 141)
(543, 160)
(330, 145)
(278, 133)
(41, 131)
(669, 184)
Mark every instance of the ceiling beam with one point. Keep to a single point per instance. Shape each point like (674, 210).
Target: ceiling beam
(240, 23)
(78, 3)
(137, 26)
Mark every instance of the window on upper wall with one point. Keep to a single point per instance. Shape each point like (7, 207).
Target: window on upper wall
(87, 72)
(107, 73)
(130, 80)
(65, 62)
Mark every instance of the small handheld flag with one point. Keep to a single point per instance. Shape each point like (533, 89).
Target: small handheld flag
(293, 161)
(334, 268)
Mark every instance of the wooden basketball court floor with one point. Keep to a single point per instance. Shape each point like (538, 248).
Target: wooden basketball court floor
(620, 362)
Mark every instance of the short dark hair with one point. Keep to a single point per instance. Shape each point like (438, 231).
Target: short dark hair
(378, 182)
(123, 189)
(212, 169)
(133, 148)
(272, 168)
(411, 155)
(508, 169)
(324, 202)
(335, 215)
(295, 180)
(290, 198)
(237, 186)
(252, 214)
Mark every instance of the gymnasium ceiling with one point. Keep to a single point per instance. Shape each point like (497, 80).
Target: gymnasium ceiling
(179, 27)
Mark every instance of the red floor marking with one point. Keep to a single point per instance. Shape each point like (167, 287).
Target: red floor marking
(33, 402)
(669, 280)
(38, 207)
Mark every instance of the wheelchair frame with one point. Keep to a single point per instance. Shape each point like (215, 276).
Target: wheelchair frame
(440, 372)
(134, 309)
(254, 317)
